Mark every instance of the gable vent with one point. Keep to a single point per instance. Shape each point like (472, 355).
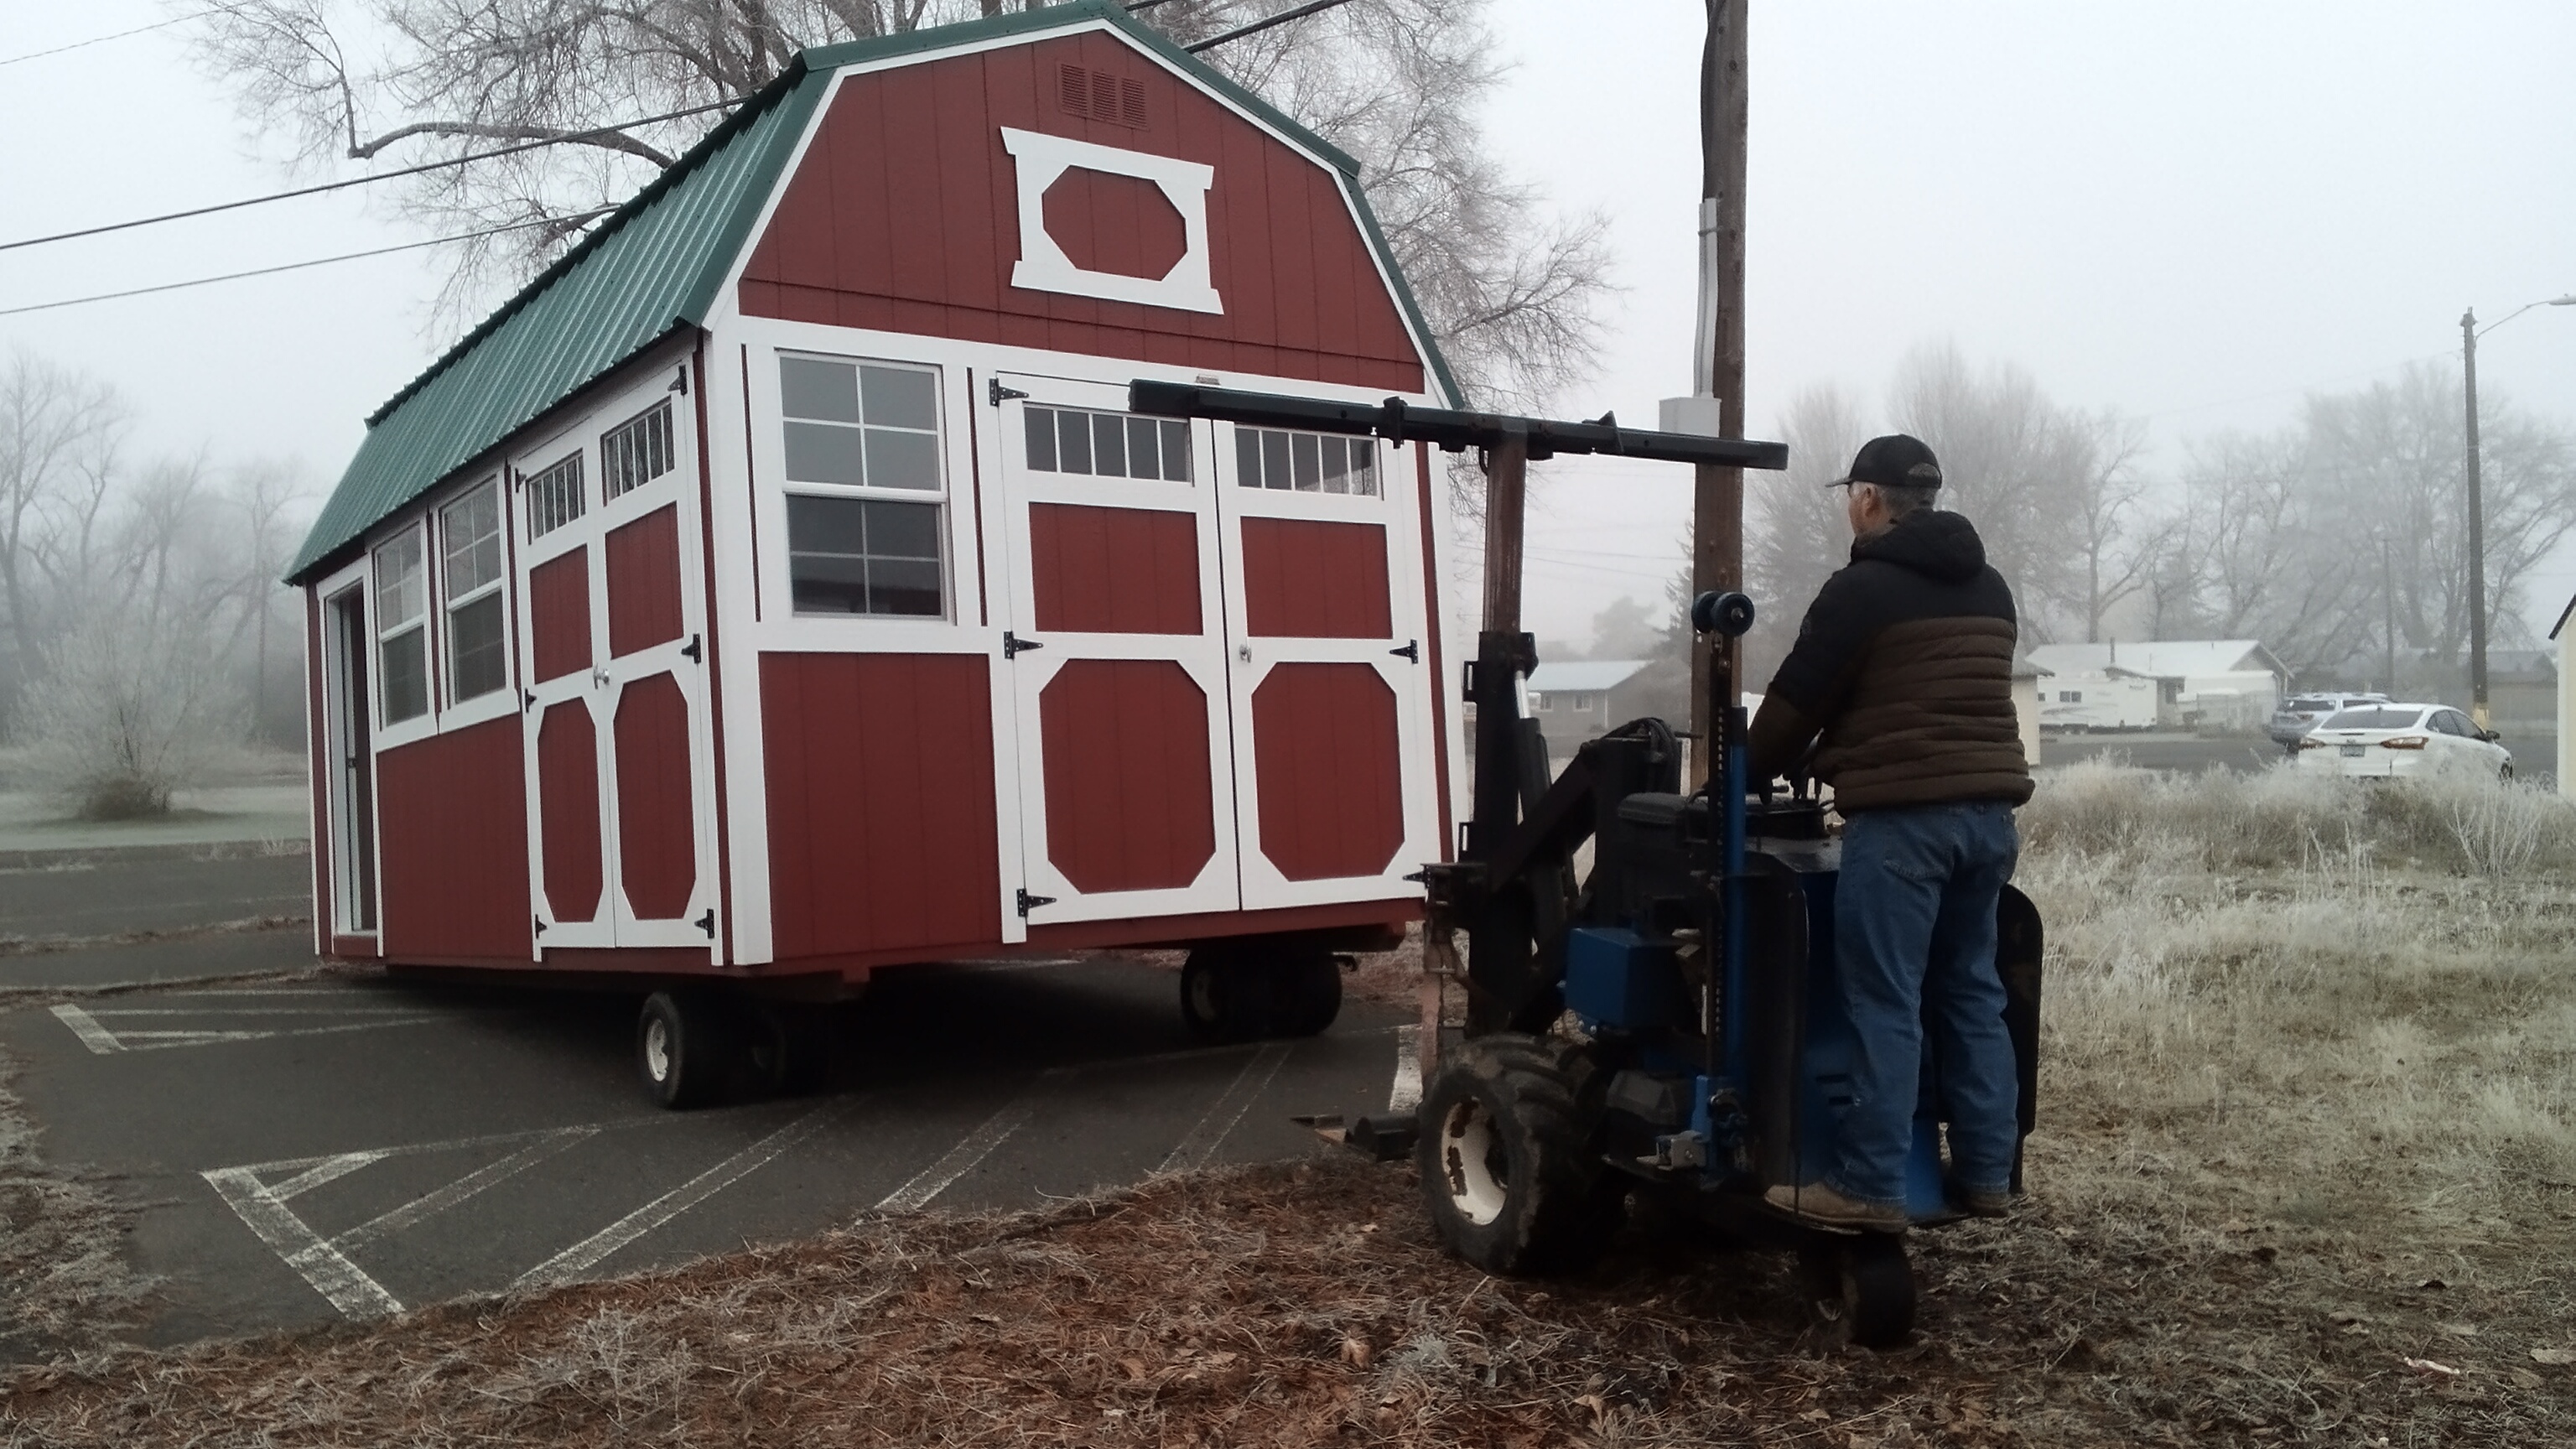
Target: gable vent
(1100, 96)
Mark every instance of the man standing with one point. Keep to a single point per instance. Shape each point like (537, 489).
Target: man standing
(1902, 679)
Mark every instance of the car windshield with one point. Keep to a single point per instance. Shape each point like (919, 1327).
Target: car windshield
(2376, 718)
(2311, 706)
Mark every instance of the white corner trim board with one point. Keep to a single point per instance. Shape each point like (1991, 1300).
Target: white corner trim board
(1040, 159)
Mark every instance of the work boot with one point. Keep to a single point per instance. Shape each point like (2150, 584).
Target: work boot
(1982, 1204)
(1819, 1205)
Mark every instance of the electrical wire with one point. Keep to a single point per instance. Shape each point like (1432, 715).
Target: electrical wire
(344, 184)
(104, 39)
(1294, 12)
(581, 220)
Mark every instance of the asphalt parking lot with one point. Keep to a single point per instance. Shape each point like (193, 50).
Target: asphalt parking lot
(304, 1151)
(85, 895)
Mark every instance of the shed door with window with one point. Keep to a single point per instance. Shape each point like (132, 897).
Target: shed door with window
(1117, 658)
(612, 632)
(1331, 679)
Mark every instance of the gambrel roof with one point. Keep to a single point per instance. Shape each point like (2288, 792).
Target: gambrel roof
(658, 264)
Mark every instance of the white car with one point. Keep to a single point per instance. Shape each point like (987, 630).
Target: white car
(2404, 741)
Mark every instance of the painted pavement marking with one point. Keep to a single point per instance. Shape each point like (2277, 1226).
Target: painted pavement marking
(104, 1041)
(1406, 1092)
(1203, 1140)
(959, 1160)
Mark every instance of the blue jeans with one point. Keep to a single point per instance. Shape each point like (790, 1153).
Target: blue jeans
(1914, 947)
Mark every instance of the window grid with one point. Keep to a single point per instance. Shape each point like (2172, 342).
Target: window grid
(864, 510)
(1108, 445)
(1306, 462)
(402, 631)
(470, 531)
(636, 452)
(555, 496)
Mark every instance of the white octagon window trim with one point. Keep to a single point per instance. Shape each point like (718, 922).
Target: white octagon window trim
(1043, 267)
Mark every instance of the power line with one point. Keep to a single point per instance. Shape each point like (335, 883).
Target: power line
(426, 166)
(1294, 12)
(581, 220)
(104, 39)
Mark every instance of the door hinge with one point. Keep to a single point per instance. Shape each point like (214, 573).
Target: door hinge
(1412, 650)
(696, 656)
(541, 924)
(529, 700)
(1030, 903)
(1013, 646)
(707, 923)
(996, 394)
(680, 381)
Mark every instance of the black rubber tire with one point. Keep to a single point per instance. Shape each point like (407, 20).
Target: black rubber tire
(1239, 991)
(686, 1049)
(1305, 991)
(791, 1048)
(1510, 1173)
(1860, 1288)
(1218, 1003)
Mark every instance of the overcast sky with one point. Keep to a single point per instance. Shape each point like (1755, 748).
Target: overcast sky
(2194, 212)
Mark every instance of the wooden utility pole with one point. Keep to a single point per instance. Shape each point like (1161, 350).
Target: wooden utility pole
(1717, 495)
(2477, 528)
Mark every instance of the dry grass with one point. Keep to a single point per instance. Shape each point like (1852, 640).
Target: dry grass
(2306, 1117)
(64, 1281)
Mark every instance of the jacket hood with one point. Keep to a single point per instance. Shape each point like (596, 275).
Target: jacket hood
(1943, 546)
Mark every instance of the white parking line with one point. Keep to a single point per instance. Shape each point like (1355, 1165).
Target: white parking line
(330, 1272)
(1406, 1093)
(464, 1187)
(102, 1041)
(959, 1160)
(1203, 1140)
(86, 1027)
(587, 1253)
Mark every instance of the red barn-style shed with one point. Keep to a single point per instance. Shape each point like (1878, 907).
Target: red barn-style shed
(777, 588)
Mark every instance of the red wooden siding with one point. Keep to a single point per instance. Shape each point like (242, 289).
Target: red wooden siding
(559, 616)
(1121, 224)
(454, 822)
(568, 811)
(657, 841)
(881, 806)
(1326, 770)
(1308, 579)
(904, 217)
(1114, 570)
(1129, 802)
(644, 582)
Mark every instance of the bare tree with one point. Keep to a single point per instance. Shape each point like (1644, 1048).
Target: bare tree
(55, 428)
(1397, 83)
(2118, 540)
(1796, 535)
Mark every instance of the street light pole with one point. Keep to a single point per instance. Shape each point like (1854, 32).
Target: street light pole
(2477, 505)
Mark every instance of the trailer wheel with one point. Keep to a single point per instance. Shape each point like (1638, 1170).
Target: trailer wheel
(1306, 991)
(1238, 991)
(1220, 1000)
(1860, 1289)
(1509, 1173)
(684, 1048)
(791, 1048)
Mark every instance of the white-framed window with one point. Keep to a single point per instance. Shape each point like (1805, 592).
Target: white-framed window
(1305, 462)
(469, 530)
(402, 627)
(1108, 445)
(2070, 696)
(865, 487)
(1542, 703)
(636, 451)
(1583, 703)
(555, 495)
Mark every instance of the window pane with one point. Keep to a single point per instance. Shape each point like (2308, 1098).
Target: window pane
(1364, 466)
(825, 525)
(1108, 445)
(1310, 472)
(900, 397)
(1176, 451)
(635, 453)
(1247, 457)
(821, 453)
(1042, 439)
(478, 664)
(902, 530)
(405, 673)
(902, 460)
(1274, 460)
(400, 593)
(902, 586)
(1141, 436)
(856, 556)
(1337, 465)
(472, 530)
(1073, 441)
(825, 584)
(555, 497)
(808, 388)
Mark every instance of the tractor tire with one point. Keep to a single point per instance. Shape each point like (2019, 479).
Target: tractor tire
(1859, 1287)
(687, 1047)
(1509, 1170)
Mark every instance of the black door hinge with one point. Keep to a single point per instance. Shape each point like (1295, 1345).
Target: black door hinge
(1030, 903)
(531, 696)
(696, 656)
(707, 923)
(541, 924)
(1412, 650)
(680, 382)
(996, 394)
(1013, 646)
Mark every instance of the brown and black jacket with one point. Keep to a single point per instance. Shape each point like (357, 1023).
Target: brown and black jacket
(1903, 666)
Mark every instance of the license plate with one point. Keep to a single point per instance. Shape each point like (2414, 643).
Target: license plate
(2351, 752)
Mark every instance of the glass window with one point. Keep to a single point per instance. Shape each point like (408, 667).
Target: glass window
(636, 452)
(860, 424)
(865, 521)
(863, 556)
(402, 633)
(2374, 719)
(1305, 462)
(477, 659)
(555, 496)
(1108, 445)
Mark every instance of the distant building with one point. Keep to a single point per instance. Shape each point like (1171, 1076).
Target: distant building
(2221, 683)
(1580, 699)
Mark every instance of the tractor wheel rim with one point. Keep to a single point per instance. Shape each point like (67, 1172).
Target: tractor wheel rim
(657, 1049)
(1467, 1143)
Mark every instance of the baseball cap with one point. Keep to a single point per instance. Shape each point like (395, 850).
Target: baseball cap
(1894, 461)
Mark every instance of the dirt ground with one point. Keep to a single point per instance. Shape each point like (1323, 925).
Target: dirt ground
(2306, 1174)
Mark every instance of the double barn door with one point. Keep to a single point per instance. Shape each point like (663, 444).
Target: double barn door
(612, 664)
(1217, 658)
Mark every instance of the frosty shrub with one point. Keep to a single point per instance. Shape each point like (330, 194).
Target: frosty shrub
(128, 713)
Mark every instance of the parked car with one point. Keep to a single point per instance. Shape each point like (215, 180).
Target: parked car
(2404, 741)
(2300, 712)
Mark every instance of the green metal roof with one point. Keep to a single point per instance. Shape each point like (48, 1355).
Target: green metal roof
(656, 264)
